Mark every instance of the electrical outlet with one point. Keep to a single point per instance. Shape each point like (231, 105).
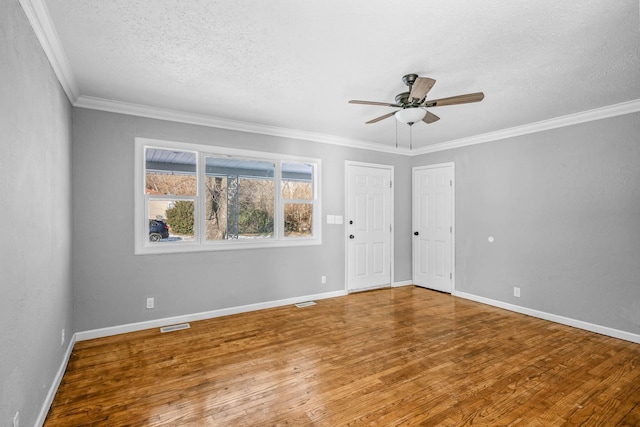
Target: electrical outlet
(62, 338)
(151, 303)
(16, 420)
(516, 292)
(323, 279)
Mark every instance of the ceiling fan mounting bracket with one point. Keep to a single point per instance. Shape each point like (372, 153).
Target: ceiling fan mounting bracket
(409, 79)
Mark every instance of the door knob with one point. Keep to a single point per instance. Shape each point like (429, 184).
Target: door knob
(351, 222)
(351, 236)
(415, 233)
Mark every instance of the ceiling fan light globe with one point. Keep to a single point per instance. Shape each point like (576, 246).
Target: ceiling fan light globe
(410, 115)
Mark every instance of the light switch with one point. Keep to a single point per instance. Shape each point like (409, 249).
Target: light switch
(331, 219)
(338, 219)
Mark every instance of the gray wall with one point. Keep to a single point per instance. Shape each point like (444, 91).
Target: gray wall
(563, 206)
(111, 284)
(564, 209)
(35, 253)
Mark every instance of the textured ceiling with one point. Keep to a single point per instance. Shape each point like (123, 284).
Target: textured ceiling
(294, 64)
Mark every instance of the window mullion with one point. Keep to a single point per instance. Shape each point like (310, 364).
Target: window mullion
(278, 211)
(199, 212)
(298, 201)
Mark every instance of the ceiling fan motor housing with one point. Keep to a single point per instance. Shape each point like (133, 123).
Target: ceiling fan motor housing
(402, 99)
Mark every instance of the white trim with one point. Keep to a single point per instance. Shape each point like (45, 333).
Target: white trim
(132, 327)
(604, 330)
(557, 122)
(391, 169)
(101, 104)
(402, 283)
(51, 394)
(158, 323)
(40, 20)
(452, 165)
(119, 107)
(372, 288)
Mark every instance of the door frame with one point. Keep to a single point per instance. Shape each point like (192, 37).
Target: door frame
(390, 168)
(414, 169)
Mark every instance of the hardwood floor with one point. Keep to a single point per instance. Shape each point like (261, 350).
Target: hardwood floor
(404, 356)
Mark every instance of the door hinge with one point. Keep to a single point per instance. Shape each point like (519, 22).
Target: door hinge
(450, 183)
(450, 276)
(450, 229)
(390, 184)
(390, 228)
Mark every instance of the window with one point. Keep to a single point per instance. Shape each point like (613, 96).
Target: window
(297, 196)
(196, 197)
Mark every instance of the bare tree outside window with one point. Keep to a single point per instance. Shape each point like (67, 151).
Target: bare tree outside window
(297, 194)
(170, 184)
(255, 208)
(233, 197)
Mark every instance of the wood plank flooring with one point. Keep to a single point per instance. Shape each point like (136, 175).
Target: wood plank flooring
(403, 356)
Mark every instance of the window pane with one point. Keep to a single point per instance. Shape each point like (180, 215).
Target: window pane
(170, 172)
(255, 208)
(239, 198)
(171, 220)
(297, 181)
(298, 219)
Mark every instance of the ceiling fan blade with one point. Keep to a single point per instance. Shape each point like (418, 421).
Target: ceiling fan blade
(430, 118)
(384, 104)
(453, 100)
(421, 87)
(377, 119)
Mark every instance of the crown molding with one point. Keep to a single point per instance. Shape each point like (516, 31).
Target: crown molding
(202, 120)
(40, 20)
(120, 107)
(557, 122)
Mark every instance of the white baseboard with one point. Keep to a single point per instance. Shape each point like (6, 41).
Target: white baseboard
(158, 323)
(604, 330)
(51, 394)
(403, 283)
(132, 327)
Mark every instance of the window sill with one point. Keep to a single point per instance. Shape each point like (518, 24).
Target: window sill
(185, 247)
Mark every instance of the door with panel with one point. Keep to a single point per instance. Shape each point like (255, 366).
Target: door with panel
(433, 227)
(368, 227)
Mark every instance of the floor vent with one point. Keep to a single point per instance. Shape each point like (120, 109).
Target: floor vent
(305, 304)
(175, 327)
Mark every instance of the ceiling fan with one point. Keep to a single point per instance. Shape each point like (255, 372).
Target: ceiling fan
(413, 103)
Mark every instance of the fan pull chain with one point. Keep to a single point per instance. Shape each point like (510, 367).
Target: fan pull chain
(396, 134)
(411, 137)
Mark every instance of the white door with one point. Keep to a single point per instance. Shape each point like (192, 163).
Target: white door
(368, 227)
(433, 227)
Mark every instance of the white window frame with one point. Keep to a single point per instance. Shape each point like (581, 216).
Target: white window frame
(142, 246)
